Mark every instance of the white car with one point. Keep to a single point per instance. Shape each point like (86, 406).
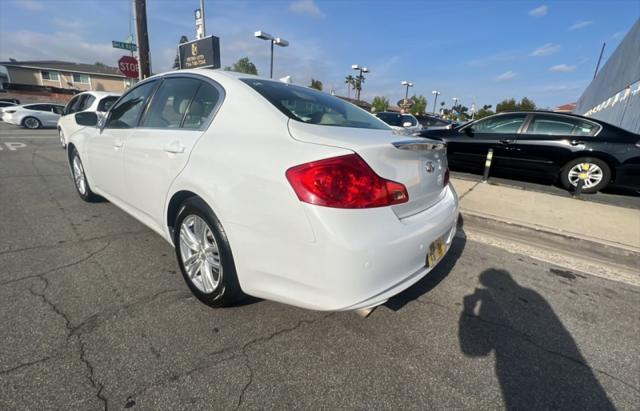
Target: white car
(268, 189)
(95, 101)
(404, 122)
(33, 116)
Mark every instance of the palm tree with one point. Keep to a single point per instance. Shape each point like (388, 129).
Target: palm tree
(350, 81)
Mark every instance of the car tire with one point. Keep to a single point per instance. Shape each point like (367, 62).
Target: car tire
(31, 123)
(598, 174)
(204, 255)
(63, 142)
(80, 179)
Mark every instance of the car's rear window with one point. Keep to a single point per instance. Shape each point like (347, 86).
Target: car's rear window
(314, 107)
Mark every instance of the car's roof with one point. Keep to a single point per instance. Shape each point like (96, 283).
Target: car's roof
(39, 102)
(99, 94)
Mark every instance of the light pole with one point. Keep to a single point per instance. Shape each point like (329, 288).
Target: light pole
(436, 93)
(407, 84)
(360, 77)
(455, 101)
(273, 40)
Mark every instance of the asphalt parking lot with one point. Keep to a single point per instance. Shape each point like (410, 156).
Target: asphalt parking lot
(95, 315)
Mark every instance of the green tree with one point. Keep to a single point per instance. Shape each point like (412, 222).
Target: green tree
(317, 84)
(419, 104)
(380, 103)
(512, 105)
(526, 104)
(176, 62)
(484, 112)
(244, 65)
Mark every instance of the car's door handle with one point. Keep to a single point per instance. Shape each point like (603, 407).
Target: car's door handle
(174, 148)
(117, 145)
(576, 142)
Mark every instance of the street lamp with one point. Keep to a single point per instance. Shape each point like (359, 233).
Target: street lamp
(273, 40)
(436, 93)
(407, 84)
(359, 77)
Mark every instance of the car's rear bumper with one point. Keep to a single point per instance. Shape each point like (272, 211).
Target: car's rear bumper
(360, 258)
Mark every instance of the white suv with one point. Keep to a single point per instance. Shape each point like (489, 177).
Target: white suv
(270, 189)
(98, 102)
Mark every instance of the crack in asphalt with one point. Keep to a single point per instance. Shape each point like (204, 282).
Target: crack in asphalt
(51, 270)
(113, 236)
(92, 379)
(529, 339)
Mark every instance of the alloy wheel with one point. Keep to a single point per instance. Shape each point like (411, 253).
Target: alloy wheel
(200, 254)
(78, 175)
(31, 123)
(593, 174)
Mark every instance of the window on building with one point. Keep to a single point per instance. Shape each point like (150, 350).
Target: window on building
(50, 75)
(81, 78)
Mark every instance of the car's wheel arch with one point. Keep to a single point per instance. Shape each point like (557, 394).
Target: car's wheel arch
(173, 207)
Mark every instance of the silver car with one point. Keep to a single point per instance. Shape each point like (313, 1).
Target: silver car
(33, 116)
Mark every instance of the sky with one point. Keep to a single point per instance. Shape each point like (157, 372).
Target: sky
(477, 51)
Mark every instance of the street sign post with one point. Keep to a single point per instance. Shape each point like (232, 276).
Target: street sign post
(128, 66)
(123, 45)
(200, 53)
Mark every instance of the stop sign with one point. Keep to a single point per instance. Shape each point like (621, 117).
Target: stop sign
(128, 66)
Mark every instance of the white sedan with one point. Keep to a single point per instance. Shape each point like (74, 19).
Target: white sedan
(268, 189)
(97, 101)
(33, 116)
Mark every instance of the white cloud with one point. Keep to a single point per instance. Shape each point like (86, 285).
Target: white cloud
(507, 75)
(545, 50)
(580, 25)
(539, 11)
(32, 5)
(562, 68)
(69, 25)
(308, 7)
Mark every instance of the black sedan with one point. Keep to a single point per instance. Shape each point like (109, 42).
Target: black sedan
(559, 146)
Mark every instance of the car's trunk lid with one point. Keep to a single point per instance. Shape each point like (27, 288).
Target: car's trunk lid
(418, 163)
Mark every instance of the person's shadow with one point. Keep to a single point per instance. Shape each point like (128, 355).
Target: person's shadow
(538, 364)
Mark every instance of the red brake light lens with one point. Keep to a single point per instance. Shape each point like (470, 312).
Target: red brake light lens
(344, 182)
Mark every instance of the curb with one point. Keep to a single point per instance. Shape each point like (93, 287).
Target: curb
(613, 255)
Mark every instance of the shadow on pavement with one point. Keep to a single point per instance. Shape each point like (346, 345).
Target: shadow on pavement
(431, 280)
(537, 361)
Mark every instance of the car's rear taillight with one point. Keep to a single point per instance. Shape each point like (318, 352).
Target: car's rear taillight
(344, 182)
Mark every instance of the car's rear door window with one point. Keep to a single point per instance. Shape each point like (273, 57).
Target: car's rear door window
(205, 101)
(106, 103)
(87, 102)
(314, 107)
(170, 103)
(548, 124)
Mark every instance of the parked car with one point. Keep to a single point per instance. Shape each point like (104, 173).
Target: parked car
(559, 146)
(433, 122)
(270, 189)
(3, 105)
(400, 121)
(33, 115)
(9, 100)
(95, 101)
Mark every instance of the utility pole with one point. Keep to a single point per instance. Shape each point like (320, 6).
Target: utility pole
(143, 38)
(599, 58)
(204, 25)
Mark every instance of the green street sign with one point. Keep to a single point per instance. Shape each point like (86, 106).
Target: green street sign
(123, 45)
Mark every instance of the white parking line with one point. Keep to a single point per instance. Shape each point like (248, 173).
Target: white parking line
(12, 146)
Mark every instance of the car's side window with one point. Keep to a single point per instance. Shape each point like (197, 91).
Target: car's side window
(39, 107)
(57, 109)
(201, 107)
(105, 104)
(87, 102)
(77, 103)
(559, 125)
(170, 103)
(503, 124)
(68, 107)
(125, 113)
(408, 119)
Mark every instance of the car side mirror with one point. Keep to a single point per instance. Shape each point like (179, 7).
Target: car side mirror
(406, 124)
(87, 118)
